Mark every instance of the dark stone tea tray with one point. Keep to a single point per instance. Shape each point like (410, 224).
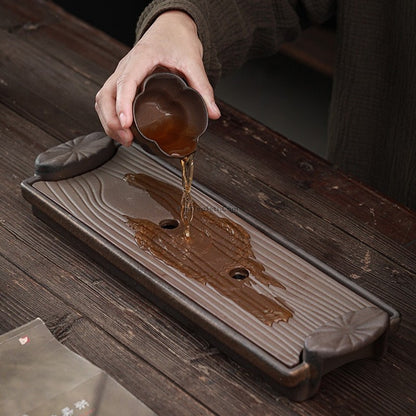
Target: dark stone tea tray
(258, 297)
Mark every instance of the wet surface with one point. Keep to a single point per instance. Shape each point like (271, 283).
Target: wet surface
(218, 252)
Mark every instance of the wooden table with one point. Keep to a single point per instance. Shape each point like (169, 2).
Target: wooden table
(51, 67)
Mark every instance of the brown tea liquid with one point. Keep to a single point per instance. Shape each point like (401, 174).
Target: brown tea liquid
(187, 206)
(172, 134)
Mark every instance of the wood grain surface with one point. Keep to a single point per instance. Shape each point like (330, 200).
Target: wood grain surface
(51, 67)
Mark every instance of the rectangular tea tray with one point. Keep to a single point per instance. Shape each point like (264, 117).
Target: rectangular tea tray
(267, 303)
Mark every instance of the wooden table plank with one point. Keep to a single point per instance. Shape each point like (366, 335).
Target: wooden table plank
(48, 79)
(63, 36)
(311, 181)
(56, 98)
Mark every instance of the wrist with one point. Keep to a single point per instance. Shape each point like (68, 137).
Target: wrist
(178, 17)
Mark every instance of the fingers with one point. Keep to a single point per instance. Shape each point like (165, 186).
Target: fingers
(198, 80)
(105, 106)
(114, 101)
(187, 58)
(172, 42)
(136, 68)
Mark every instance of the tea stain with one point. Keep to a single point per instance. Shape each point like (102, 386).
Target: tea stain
(218, 253)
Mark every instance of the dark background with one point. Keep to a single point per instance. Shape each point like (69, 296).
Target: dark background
(117, 18)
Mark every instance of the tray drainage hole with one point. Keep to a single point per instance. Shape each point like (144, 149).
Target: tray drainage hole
(239, 273)
(169, 224)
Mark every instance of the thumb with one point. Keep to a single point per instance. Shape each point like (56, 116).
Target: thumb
(199, 81)
(126, 91)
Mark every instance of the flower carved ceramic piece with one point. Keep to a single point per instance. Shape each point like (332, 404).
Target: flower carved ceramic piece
(347, 333)
(75, 157)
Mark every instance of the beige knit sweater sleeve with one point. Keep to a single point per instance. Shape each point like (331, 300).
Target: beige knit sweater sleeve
(233, 31)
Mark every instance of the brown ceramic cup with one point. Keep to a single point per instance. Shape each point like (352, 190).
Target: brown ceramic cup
(168, 115)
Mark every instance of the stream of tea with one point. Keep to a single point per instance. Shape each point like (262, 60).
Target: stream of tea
(174, 137)
(187, 206)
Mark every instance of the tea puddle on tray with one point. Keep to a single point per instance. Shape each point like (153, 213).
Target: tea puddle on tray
(217, 252)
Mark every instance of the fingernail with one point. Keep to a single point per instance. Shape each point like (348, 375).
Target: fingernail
(122, 118)
(215, 109)
(123, 139)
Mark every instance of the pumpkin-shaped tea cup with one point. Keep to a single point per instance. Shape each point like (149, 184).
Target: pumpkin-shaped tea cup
(168, 115)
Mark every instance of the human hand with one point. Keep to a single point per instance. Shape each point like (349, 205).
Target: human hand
(172, 42)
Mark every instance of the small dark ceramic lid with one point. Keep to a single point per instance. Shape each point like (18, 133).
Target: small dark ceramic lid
(348, 337)
(75, 157)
